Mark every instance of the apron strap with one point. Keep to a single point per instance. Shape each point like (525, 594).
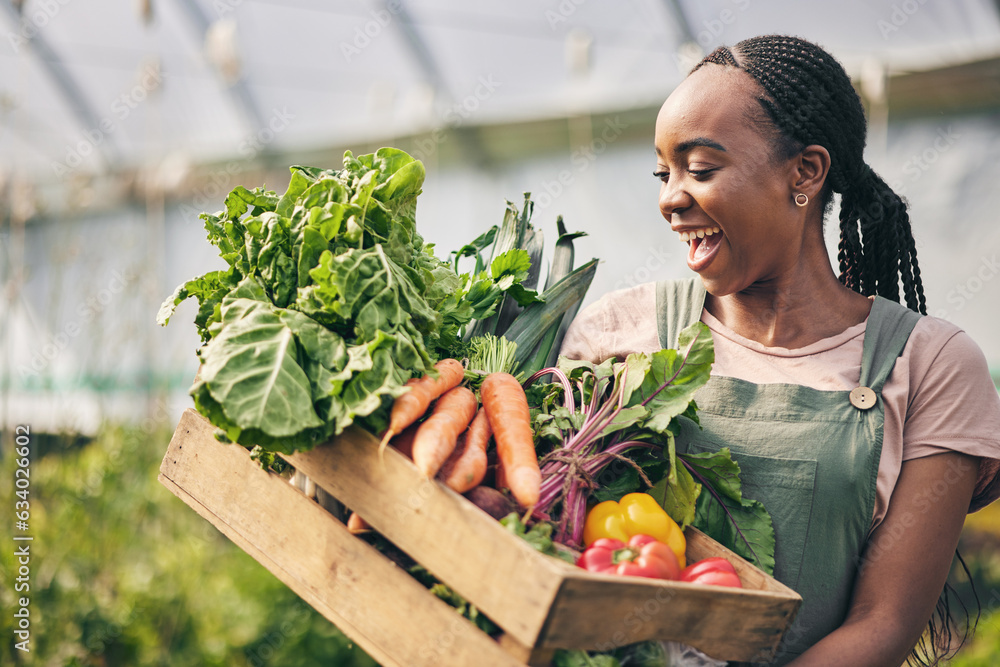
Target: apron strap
(678, 305)
(888, 328)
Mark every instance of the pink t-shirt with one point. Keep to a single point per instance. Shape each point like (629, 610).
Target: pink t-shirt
(939, 396)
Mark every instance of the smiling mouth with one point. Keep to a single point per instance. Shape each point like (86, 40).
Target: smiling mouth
(703, 246)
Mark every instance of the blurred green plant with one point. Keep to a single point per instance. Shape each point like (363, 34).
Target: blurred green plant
(980, 546)
(123, 573)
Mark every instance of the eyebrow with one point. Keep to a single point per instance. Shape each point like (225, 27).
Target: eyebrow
(685, 146)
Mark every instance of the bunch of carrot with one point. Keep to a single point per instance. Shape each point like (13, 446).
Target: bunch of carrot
(451, 443)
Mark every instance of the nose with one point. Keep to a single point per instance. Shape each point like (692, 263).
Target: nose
(673, 198)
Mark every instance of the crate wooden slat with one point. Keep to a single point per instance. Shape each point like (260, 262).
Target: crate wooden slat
(540, 602)
(359, 590)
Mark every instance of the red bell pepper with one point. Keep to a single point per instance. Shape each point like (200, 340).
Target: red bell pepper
(642, 557)
(715, 571)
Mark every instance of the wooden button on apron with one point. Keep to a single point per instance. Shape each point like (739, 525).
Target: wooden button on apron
(862, 398)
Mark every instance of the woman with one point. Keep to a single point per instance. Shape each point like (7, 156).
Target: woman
(867, 430)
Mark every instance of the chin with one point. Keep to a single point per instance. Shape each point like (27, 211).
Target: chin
(716, 287)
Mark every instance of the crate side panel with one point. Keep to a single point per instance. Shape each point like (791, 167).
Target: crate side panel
(470, 551)
(375, 603)
(725, 623)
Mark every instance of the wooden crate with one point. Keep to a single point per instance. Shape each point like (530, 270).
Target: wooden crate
(540, 603)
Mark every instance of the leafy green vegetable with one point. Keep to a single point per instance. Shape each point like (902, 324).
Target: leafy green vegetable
(538, 536)
(453, 599)
(678, 494)
(331, 302)
(565, 658)
(673, 377)
(740, 524)
(615, 408)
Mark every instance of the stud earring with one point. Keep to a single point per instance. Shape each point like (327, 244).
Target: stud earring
(801, 199)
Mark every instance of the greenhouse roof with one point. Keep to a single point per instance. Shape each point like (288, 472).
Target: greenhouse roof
(97, 87)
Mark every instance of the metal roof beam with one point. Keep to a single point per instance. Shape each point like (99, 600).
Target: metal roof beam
(66, 86)
(468, 136)
(238, 90)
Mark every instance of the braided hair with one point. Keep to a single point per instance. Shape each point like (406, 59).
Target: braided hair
(809, 99)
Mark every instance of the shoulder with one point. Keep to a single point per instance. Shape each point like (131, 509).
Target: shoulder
(952, 403)
(939, 350)
(614, 323)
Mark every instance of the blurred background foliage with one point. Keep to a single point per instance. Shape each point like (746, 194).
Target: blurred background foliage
(124, 574)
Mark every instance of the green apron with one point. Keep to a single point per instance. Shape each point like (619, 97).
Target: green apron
(811, 457)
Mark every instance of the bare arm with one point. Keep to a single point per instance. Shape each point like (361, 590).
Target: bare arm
(904, 567)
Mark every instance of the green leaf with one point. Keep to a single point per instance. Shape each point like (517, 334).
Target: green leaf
(539, 536)
(321, 344)
(515, 263)
(300, 180)
(251, 369)
(577, 658)
(678, 497)
(475, 249)
(627, 482)
(740, 524)
(719, 470)
(530, 326)
(562, 255)
(209, 290)
(638, 366)
(675, 375)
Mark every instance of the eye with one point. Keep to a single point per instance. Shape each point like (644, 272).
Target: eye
(697, 173)
(662, 175)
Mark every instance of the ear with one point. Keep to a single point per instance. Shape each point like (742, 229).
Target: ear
(811, 170)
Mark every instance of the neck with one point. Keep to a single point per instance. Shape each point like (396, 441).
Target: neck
(793, 310)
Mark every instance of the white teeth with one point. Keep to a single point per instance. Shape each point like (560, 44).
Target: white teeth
(698, 233)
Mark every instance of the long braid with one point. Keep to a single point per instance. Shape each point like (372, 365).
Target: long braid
(810, 100)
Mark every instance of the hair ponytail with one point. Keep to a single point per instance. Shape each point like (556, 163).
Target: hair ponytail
(877, 250)
(810, 100)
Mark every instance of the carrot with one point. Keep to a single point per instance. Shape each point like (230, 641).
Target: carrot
(412, 405)
(437, 436)
(466, 467)
(499, 481)
(507, 409)
(356, 525)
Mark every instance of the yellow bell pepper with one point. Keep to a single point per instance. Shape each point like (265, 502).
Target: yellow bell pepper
(634, 514)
